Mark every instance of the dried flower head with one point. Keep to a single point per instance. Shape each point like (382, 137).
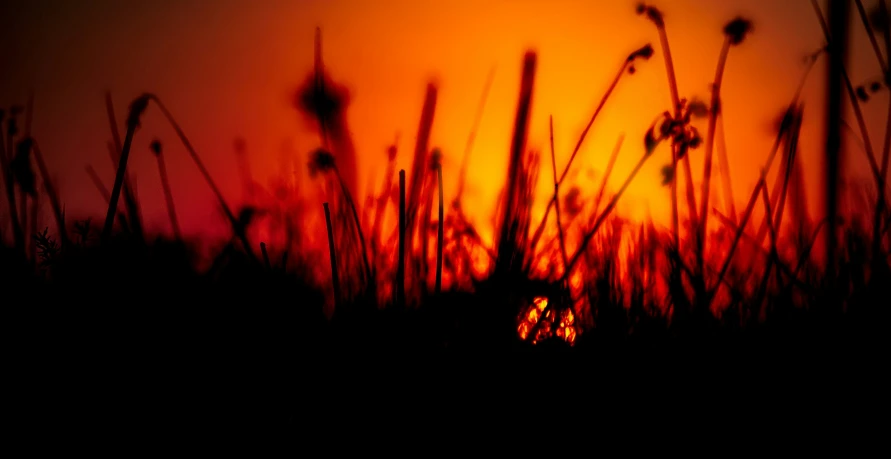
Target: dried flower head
(645, 52)
(784, 121)
(435, 159)
(320, 162)
(137, 108)
(652, 13)
(737, 29)
(572, 202)
(697, 108)
(155, 147)
(391, 153)
(319, 98)
(861, 94)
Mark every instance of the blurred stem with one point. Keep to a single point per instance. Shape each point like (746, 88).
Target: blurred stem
(237, 226)
(556, 197)
(118, 183)
(465, 159)
(332, 254)
(586, 239)
(714, 109)
(17, 232)
(538, 231)
(439, 233)
(724, 167)
(400, 263)
(608, 172)
(168, 197)
(355, 214)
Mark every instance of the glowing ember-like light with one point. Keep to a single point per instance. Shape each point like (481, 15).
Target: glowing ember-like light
(566, 329)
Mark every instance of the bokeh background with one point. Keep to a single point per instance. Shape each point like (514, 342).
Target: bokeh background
(228, 68)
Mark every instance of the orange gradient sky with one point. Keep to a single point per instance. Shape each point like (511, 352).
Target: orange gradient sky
(227, 68)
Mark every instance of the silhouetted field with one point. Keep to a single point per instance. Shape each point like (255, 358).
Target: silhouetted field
(406, 303)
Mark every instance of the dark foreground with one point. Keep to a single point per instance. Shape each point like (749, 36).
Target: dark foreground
(165, 370)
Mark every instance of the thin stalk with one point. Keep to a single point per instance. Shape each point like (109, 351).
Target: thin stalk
(332, 255)
(465, 159)
(762, 287)
(122, 219)
(168, 197)
(266, 254)
(608, 172)
(837, 37)
(586, 239)
(676, 104)
(97, 181)
(864, 18)
(556, 197)
(29, 116)
(23, 215)
(805, 255)
(757, 246)
(17, 233)
(130, 202)
(792, 153)
(420, 158)
(747, 213)
(51, 193)
(675, 217)
(439, 233)
(400, 264)
(381, 205)
(538, 231)
(34, 207)
(724, 167)
(237, 227)
(673, 88)
(852, 96)
(355, 214)
(709, 148)
(118, 183)
(886, 145)
(508, 237)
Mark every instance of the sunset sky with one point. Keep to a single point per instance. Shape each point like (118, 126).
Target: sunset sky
(227, 68)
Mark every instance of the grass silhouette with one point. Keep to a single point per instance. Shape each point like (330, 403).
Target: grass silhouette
(588, 287)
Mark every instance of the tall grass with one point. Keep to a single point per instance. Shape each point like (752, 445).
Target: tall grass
(595, 274)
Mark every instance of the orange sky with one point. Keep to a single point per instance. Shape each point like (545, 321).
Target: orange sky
(227, 68)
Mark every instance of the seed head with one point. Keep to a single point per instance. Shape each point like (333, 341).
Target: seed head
(652, 13)
(321, 161)
(391, 152)
(737, 29)
(435, 159)
(645, 52)
(861, 94)
(137, 108)
(155, 147)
